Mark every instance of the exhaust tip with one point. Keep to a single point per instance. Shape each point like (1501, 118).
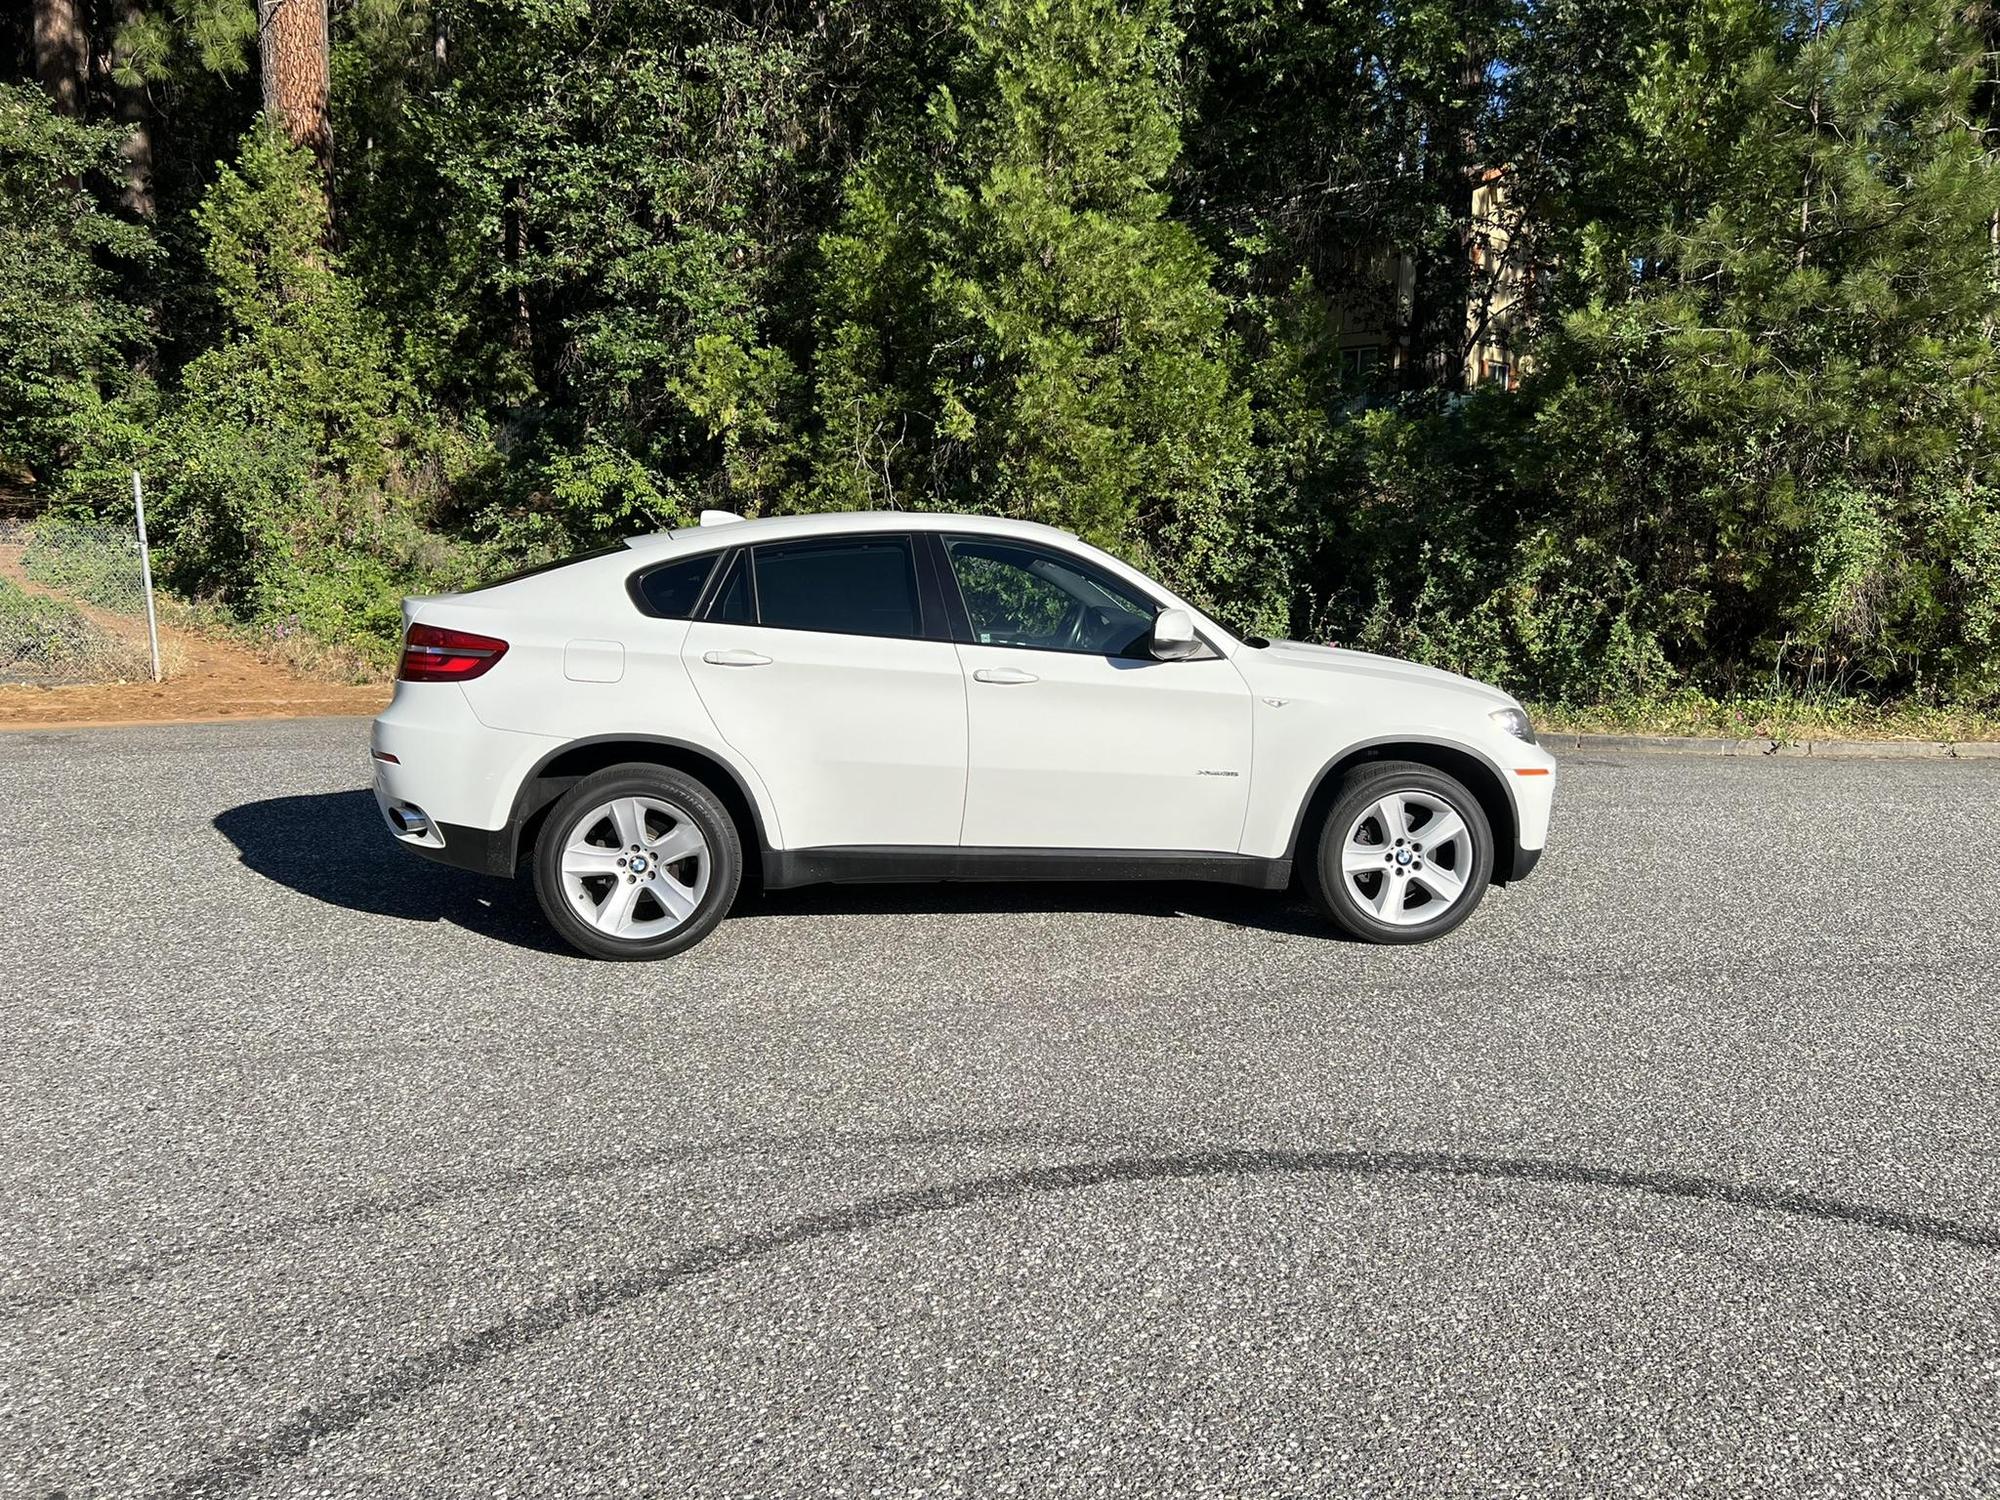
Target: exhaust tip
(411, 822)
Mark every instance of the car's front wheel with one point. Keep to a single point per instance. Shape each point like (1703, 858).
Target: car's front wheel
(637, 861)
(1404, 854)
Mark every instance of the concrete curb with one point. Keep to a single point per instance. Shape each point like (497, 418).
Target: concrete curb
(1669, 744)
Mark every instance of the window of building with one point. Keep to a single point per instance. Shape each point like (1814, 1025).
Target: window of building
(1359, 362)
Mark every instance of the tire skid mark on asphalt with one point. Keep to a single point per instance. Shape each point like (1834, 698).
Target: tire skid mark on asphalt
(243, 1463)
(525, 1175)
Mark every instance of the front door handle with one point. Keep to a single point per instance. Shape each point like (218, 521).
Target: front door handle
(1007, 675)
(737, 658)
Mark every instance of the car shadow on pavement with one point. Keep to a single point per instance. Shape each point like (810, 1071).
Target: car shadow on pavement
(332, 847)
(1265, 911)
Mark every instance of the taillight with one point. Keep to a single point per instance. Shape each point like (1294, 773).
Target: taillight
(434, 655)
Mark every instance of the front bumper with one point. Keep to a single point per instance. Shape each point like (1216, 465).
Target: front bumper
(1523, 864)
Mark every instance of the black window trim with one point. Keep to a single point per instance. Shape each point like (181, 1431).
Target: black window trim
(940, 624)
(951, 607)
(933, 623)
(962, 622)
(719, 582)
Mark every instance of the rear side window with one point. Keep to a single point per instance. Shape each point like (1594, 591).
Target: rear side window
(851, 586)
(672, 590)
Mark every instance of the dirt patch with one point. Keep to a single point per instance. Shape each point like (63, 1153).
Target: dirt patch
(220, 681)
(210, 678)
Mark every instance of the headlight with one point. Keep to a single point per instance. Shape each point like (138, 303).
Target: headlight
(1515, 722)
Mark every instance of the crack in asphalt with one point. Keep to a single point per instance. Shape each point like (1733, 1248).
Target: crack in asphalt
(242, 1463)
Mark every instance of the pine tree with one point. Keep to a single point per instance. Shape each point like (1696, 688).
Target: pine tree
(1010, 322)
(1774, 405)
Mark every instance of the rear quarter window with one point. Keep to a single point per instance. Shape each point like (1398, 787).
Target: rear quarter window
(672, 589)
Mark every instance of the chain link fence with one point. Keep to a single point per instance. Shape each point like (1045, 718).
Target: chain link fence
(73, 603)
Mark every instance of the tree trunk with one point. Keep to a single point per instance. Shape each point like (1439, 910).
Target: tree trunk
(62, 53)
(514, 249)
(292, 50)
(135, 112)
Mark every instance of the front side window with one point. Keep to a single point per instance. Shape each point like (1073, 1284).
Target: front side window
(851, 586)
(1023, 596)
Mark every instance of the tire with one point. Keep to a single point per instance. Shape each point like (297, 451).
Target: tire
(585, 863)
(1341, 877)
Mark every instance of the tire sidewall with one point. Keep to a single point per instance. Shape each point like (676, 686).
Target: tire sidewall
(717, 826)
(1330, 887)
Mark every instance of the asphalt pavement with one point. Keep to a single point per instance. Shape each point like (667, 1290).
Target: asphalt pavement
(323, 1171)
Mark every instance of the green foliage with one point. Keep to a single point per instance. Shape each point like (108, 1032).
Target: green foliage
(609, 220)
(72, 402)
(295, 460)
(1104, 263)
(157, 46)
(1010, 320)
(1757, 450)
(1782, 424)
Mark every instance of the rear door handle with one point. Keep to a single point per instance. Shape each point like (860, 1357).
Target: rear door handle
(1007, 675)
(736, 658)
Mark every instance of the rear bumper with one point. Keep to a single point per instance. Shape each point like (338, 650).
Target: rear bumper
(484, 851)
(447, 762)
(435, 762)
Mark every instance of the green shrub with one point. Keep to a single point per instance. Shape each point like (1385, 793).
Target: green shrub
(299, 467)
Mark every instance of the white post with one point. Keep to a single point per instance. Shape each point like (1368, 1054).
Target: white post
(146, 571)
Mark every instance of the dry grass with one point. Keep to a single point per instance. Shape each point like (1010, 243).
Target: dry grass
(299, 653)
(1791, 720)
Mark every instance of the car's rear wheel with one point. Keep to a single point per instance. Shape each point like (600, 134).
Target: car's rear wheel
(1403, 855)
(636, 862)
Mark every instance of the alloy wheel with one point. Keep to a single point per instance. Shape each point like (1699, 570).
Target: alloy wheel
(636, 867)
(1407, 857)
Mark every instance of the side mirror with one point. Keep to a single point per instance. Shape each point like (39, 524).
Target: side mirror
(1173, 637)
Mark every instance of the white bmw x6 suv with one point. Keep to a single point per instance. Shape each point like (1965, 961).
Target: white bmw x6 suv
(892, 696)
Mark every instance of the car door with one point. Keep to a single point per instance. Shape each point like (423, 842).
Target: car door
(1078, 738)
(814, 662)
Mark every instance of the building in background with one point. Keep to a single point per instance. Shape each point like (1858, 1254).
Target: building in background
(1376, 302)
(1496, 304)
